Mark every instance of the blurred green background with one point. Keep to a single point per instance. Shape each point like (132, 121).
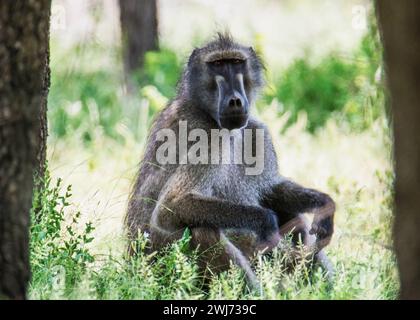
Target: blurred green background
(341, 83)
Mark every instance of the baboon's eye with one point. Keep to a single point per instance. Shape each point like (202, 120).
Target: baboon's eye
(237, 61)
(217, 63)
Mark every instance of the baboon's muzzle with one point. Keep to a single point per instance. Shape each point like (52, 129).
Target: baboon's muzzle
(233, 102)
(234, 121)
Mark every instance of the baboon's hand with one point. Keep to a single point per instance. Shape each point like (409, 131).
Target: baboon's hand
(323, 223)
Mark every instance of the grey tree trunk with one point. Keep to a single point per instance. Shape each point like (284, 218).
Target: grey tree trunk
(400, 26)
(139, 30)
(24, 42)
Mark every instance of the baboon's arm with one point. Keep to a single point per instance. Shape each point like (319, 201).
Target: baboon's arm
(288, 200)
(195, 210)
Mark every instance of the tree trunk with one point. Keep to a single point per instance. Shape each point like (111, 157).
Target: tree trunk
(24, 42)
(43, 123)
(139, 32)
(400, 26)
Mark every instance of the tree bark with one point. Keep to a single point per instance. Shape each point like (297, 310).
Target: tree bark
(43, 123)
(139, 31)
(24, 42)
(400, 27)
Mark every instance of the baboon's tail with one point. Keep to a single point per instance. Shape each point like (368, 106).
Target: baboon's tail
(241, 261)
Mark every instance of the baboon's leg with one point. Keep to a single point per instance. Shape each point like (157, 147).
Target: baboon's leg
(211, 252)
(217, 249)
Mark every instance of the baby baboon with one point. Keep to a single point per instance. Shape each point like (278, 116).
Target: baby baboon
(221, 201)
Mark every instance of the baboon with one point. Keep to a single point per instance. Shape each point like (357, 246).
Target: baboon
(235, 213)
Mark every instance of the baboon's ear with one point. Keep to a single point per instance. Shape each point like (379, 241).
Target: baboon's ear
(193, 55)
(252, 51)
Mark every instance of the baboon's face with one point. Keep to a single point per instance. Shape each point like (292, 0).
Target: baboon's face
(232, 99)
(223, 79)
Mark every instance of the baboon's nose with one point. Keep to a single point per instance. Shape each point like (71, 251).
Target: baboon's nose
(235, 102)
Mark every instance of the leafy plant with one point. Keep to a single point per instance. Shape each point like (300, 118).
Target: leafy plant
(317, 89)
(162, 69)
(348, 88)
(55, 244)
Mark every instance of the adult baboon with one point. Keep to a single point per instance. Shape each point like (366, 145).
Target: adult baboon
(221, 202)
